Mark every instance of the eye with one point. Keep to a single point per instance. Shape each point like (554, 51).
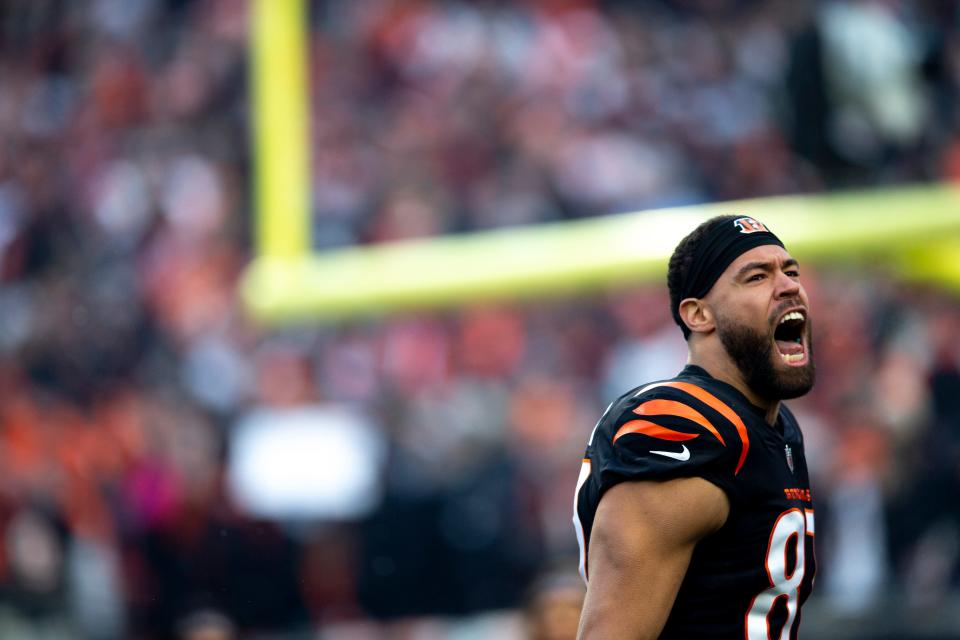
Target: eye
(757, 277)
(793, 273)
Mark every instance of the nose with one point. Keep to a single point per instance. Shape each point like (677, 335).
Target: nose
(786, 287)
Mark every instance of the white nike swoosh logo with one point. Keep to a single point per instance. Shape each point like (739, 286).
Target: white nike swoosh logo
(682, 456)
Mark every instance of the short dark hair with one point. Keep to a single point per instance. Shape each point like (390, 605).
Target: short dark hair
(679, 268)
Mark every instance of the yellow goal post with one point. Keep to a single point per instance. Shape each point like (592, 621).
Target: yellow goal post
(913, 231)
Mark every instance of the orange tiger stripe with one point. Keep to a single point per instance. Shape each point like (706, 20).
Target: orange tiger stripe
(674, 408)
(648, 428)
(720, 407)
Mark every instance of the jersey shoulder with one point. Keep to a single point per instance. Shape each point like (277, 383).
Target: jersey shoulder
(684, 426)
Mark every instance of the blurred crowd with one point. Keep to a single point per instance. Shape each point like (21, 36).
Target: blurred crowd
(126, 360)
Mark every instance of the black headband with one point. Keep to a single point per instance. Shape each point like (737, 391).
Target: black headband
(724, 241)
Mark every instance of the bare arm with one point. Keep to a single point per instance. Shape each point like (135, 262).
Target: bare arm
(642, 540)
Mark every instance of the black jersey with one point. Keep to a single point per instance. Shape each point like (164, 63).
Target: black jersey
(748, 579)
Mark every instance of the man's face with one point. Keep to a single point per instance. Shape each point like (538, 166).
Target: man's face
(762, 320)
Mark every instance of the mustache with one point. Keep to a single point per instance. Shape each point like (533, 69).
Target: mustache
(788, 304)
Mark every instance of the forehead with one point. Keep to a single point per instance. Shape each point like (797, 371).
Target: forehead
(771, 254)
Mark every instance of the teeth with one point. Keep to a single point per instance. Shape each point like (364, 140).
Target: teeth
(792, 358)
(793, 315)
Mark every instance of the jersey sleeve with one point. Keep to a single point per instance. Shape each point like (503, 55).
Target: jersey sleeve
(663, 434)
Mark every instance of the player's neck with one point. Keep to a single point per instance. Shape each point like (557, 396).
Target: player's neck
(725, 370)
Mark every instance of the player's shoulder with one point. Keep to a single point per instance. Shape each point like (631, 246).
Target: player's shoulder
(691, 396)
(681, 426)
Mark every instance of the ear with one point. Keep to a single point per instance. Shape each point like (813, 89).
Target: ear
(697, 315)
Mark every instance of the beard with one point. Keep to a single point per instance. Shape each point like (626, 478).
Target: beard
(756, 356)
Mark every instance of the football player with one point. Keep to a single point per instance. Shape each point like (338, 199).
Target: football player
(693, 508)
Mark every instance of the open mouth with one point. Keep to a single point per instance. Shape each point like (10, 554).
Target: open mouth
(789, 336)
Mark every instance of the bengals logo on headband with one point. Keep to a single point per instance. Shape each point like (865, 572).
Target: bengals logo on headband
(749, 225)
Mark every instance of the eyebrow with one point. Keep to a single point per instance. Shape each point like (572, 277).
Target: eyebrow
(766, 265)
